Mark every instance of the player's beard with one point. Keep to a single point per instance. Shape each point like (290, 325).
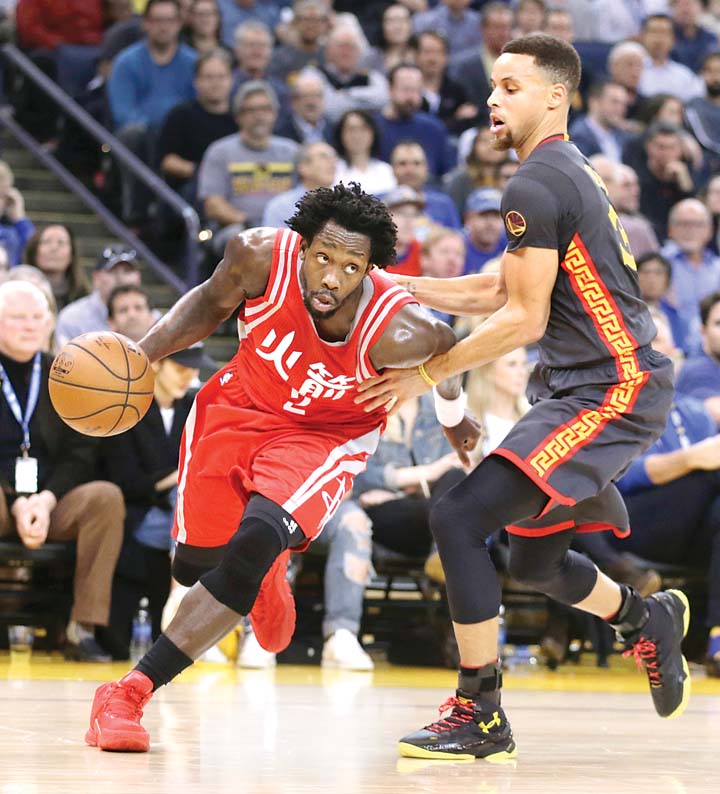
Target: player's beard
(503, 142)
(313, 312)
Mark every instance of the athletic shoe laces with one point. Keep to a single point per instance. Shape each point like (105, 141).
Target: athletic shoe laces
(645, 653)
(454, 713)
(126, 702)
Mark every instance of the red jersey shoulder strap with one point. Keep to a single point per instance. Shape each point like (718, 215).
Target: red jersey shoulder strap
(388, 299)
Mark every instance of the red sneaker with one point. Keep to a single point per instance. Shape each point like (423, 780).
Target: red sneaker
(273, 614)
(116, 713)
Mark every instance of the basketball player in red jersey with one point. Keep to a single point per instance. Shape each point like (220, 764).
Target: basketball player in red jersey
(275, 438)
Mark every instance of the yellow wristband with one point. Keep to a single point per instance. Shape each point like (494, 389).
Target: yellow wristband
(424, 375)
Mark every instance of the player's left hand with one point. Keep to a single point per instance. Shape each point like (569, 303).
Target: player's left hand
(400, 384)
(464, 438)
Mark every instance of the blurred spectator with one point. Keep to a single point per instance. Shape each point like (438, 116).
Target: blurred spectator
(660, 73)
(240, 173)
(454, 20)
(484, 231)
(146, 81)
(15, 228)
(665, 178)
(315, 164)
(703, 113)
(601, 131)
(36, 277)
(655, 279)
(130, 311)
(116, 265)
(412, 467)
(121, 34)
(356, 140)
(253, 48)
(4, 262)
(700, 375)
(671, 492)
(472, 67)
(53, 251)
(613, 21)
(310, 26)
(402, 120)
(692, 41)
(306, 122)
(710, 18)
(45, 24)
(625, 64)
(505, 171)
(530, 17)
(62, 504)
(347, 85)
(238, 12)
(406, 205)
(395, 35)
(443, 256)
(442, 96)
(696, 269)
(623, 189)
(192, 126)
(410, 167)
(479, 169)
(203, 29)
(369, 13)
(496, 397)
(143, 463)
(712, 201)
(559, 23)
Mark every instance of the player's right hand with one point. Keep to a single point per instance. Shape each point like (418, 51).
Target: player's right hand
(464, 438)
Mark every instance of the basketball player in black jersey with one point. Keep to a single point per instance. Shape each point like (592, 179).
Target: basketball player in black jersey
(600, 397)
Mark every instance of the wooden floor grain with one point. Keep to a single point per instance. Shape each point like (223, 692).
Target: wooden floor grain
(303, 731)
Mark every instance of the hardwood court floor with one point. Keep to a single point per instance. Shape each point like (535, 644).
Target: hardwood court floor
(300, 730)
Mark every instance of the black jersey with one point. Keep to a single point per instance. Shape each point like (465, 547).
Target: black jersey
(556, 200)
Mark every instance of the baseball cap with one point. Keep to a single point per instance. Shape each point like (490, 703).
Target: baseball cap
(484, 199)
(115, 254)
(193, 357)
(404, 194)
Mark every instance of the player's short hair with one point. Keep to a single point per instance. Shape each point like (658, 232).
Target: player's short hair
(558, 59)
(353, 209)
(707, 304)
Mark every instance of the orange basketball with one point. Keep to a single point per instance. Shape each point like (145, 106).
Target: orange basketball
(101, 383)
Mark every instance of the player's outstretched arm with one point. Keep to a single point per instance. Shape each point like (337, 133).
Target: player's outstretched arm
(242, 273)
(481, 293)
(529, 275)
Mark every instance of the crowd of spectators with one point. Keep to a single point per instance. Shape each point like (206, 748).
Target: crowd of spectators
(241, 106)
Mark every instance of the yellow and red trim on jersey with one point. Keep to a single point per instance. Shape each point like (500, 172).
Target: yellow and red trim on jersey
(572, 436)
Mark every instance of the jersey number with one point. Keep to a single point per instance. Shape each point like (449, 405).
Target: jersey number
(627, 257)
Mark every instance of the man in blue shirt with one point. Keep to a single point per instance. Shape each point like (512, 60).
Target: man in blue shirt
(459, 24)
(147, 80)
(235, 12)
(484, 234)
(700, 376)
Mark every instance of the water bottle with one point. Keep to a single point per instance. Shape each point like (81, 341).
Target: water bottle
(141, 632)
(502, 634)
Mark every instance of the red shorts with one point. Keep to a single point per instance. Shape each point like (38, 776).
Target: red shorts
(230, 450)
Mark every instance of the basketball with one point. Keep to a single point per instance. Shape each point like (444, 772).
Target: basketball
(101, 383)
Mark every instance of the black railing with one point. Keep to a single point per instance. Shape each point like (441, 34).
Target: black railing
(192, 254)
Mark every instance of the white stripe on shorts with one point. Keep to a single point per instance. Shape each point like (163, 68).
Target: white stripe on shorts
(180, 506)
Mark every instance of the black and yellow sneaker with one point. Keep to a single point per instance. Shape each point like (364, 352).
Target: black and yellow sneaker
(468, 728)
(656, 647)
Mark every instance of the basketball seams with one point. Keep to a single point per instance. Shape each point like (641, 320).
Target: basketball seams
(104, 365)
(127, 385)
(96, 388)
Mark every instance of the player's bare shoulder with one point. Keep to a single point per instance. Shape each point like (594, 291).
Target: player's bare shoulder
(412, 337)
(248, 259)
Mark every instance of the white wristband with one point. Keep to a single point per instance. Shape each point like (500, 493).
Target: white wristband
(450, 412)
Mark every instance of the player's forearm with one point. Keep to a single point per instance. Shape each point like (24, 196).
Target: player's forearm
(506, 330)
(465, 295)
(668, 466)
(194, 317)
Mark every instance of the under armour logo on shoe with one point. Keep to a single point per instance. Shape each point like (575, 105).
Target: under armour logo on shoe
(225, 378)
(495, 721)
(291, 525)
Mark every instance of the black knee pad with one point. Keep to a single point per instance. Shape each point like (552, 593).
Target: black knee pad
(569, 579)
(265, 531)
(191, 562)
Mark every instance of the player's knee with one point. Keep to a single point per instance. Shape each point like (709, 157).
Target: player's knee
(524, 568)
(248, 556)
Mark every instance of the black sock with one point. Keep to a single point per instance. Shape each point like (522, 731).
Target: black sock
(163, 662)
(484, 682)
(633, 613)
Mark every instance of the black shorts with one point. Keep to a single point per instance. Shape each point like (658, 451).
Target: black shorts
(587, 425)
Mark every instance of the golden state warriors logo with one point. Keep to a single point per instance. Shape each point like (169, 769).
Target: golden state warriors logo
(515, 223)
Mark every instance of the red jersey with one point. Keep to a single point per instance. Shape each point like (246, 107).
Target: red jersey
(284, 365)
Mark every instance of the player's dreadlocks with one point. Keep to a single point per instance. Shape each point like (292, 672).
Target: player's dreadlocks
(352, 209)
